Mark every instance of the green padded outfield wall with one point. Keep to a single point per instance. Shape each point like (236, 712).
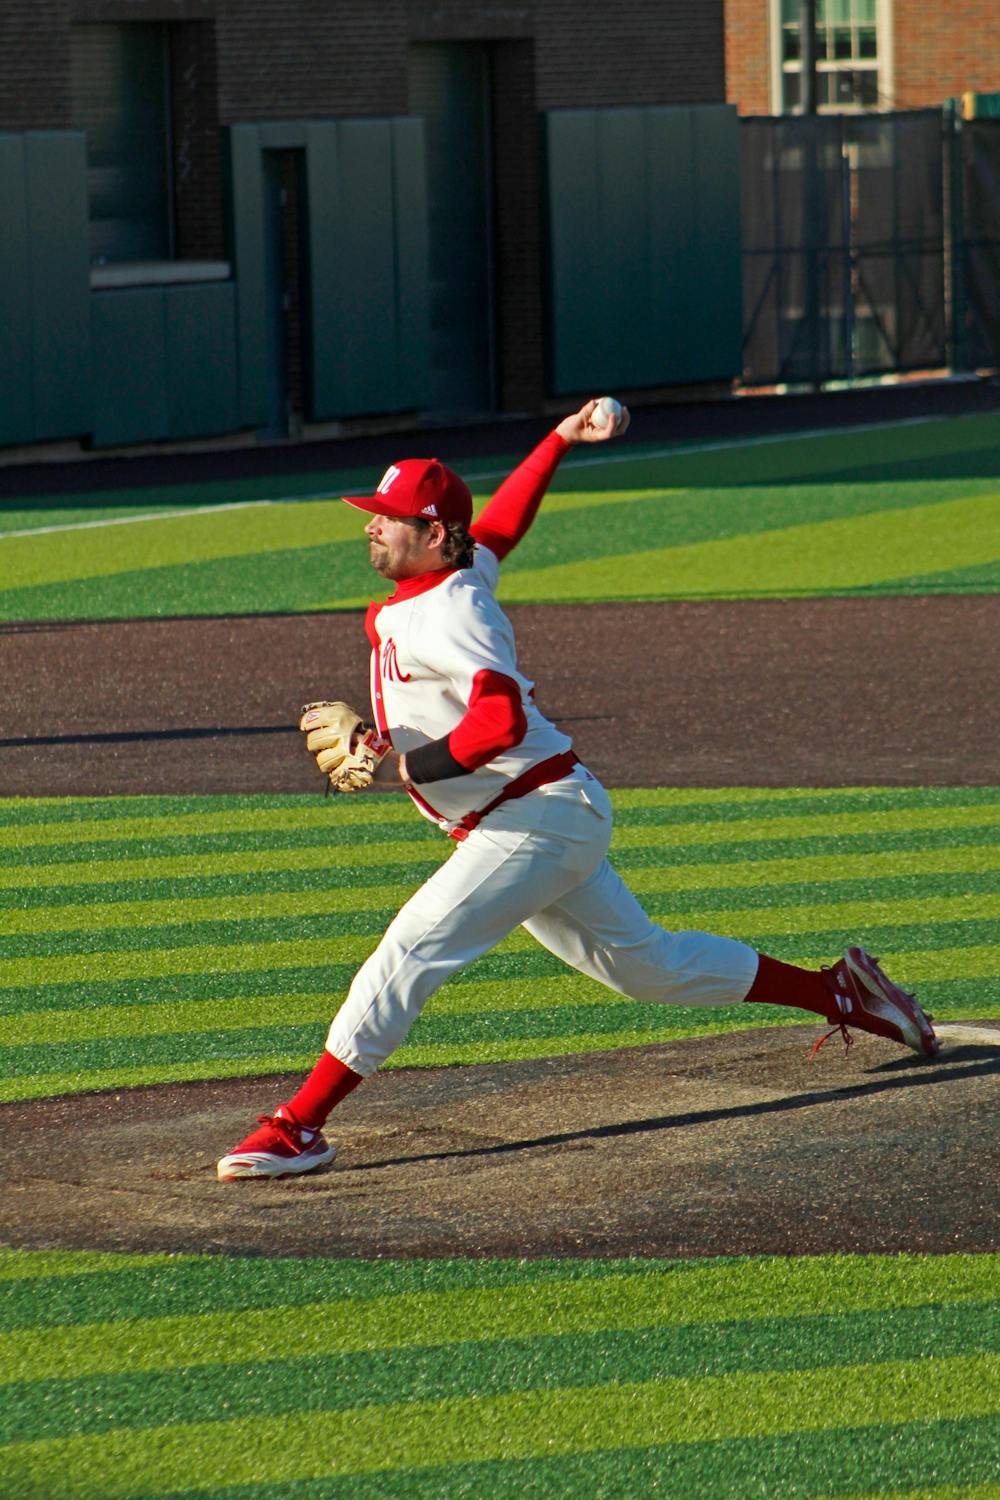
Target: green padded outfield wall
(160, 363)
(368, 254)
(16, 406)
(644, 255)
(122, 366)
(164, 363)
(44, 287)
(245, 233)
(130, 388)
(200, 344)
(366, 263)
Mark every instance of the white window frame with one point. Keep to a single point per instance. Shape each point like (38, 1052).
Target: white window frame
(886, 62)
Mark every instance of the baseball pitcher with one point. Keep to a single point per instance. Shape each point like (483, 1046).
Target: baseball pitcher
(455, 719)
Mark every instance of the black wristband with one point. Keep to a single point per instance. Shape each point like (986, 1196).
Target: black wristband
(433, 762)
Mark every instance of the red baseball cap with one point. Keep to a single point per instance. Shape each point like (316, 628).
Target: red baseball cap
(423, 487)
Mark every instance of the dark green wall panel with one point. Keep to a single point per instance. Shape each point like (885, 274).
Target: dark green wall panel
(44, 288)
(716, 150)
(621, 201)
(366, 264)
(130, 367)
(164, 363)
(245, 215)
(201, 374)
(410, 219)
(450, 87)
(364, 255)
(643, 264)
(353, 270)
(16, 409)
(145, 364)
(325, 214)
(575, 245)
(673, 320)
(283, 135)
(56, 170)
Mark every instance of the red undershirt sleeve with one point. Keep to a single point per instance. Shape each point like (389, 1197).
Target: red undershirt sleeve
(512, 509)
(494, 721)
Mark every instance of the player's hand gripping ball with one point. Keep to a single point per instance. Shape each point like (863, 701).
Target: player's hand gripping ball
(345, 751)
(607, 410)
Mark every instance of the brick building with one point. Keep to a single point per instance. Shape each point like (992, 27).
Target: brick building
(871, 54)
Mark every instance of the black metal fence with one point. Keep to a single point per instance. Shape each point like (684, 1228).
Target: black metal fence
(871, 244)
(977, 238)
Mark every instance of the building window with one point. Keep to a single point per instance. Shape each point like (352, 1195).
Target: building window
(851, 55)
(120, 96)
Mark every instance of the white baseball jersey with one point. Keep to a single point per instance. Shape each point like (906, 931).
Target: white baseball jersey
(442, 646)
(432, 646)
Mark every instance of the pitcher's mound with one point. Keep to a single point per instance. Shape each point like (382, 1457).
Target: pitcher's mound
(716, 1145)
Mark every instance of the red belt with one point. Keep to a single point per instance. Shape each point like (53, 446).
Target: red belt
(553, 769)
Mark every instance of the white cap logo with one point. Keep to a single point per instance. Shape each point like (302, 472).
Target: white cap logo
(388, 480)
(429, 510)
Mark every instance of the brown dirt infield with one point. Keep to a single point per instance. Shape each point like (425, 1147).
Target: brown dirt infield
(765, 692)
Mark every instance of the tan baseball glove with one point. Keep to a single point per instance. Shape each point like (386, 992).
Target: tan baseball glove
(345, 751)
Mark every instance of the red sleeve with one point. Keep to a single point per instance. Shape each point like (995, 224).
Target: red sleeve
(513, 508)
(494, 721)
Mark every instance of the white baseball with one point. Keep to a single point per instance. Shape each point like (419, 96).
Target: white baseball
(607, 410)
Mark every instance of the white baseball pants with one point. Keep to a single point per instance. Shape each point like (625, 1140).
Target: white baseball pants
(537, 862)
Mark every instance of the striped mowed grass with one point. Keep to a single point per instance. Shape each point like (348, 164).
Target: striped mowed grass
(899, 509)
(127, 1376)
(148, 940)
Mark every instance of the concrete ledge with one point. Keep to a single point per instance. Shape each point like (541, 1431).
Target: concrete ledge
(157, 273)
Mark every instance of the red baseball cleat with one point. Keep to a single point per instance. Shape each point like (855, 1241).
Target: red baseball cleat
(279, 1148)
(868, 999)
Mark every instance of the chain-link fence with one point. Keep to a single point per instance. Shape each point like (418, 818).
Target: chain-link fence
(977, 246)
(843, 246)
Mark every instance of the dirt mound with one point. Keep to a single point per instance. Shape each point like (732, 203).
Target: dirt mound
(717, 1145)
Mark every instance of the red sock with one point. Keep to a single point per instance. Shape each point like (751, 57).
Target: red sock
(328, 1083)
(779, 983)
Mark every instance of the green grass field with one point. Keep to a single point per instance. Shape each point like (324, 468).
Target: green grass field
(904, 509)
(156, 939)
(159, 939)
(293, 1380)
